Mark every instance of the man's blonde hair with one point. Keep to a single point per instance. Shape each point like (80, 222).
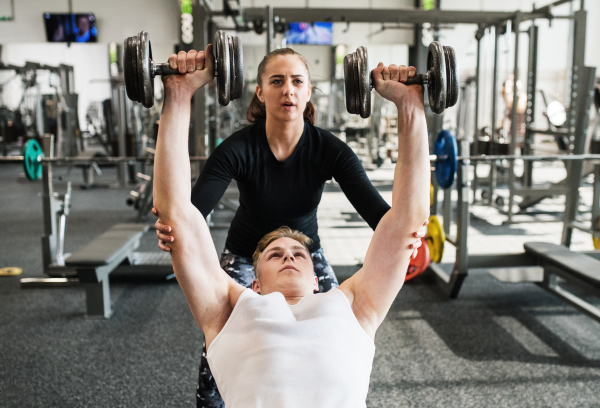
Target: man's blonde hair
(281, 232)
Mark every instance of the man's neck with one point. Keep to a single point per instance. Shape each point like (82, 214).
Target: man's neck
(294, 300)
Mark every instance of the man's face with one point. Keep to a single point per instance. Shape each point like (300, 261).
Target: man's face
(285, 266)
(83, 23)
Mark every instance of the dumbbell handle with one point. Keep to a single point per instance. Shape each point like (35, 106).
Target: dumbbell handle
(164, 69)
(419, 79)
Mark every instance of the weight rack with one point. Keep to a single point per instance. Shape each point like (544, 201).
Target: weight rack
(451, 282)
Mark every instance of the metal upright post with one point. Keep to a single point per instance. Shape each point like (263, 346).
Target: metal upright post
(582, 87)
(122, 132)
(452, 283)
(530, 110)
(269, 11)
(513, 117)
(492, 175)
(49, 207)
(586, 80)
(461, 265)
(478, 37)
(596, 201)
(199, 119)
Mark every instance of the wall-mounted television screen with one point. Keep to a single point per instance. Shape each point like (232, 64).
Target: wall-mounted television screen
(307, 33)
(79, 28)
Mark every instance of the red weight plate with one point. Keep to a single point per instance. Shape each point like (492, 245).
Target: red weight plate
(418, 265)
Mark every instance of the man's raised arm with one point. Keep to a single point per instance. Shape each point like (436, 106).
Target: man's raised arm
(210, 293)
(374, 287)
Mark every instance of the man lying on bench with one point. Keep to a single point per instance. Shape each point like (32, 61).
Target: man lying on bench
(285, 328)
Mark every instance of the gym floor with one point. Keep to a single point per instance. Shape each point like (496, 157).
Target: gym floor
(496, 345)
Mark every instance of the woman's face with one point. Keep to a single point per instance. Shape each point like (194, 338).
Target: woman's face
(285, 88)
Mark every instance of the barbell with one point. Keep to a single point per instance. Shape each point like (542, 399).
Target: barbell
(33, 159)
(441, 79)
(445, 158)
(140, 70)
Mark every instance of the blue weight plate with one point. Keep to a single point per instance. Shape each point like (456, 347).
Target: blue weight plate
(447, 162)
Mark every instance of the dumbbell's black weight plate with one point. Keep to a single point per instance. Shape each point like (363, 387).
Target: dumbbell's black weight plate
(223, 67)
(364, 82)
(130, 72)
(357, 83)
(451, 77)
(349, 84)
(140, 70)
(144, 69)
(237, 70)
(441, 80)
(437, 88)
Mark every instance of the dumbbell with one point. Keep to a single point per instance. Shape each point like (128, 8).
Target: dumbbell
(441, 79)
(140, 70)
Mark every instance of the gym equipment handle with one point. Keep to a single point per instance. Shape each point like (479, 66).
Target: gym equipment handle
(419, 79)
(164, 69)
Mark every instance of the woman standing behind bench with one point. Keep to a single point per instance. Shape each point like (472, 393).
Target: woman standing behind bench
(281, 161)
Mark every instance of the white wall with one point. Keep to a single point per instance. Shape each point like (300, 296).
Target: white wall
(24, 39)
(116, 19)
(91, 70)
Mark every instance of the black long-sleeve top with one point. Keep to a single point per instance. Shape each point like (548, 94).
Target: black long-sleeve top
(275, 193)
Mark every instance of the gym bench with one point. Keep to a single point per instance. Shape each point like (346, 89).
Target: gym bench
(96, 260)
(578, 270)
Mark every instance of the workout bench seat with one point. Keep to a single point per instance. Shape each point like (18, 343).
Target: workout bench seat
(96, 260)
(579, 270)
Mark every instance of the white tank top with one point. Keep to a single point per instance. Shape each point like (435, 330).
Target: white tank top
(312, 354)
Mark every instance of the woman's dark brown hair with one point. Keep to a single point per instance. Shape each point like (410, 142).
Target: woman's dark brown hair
(256, 111)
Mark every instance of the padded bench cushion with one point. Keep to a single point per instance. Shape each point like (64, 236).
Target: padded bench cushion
(580, 265)
(108, 246)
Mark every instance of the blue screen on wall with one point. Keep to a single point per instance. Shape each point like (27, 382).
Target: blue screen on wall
(306, 33)
(70, 27)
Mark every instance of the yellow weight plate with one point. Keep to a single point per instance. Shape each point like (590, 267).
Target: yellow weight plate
(10, 271)
(596, 240)
(435, 239)
(431, 194)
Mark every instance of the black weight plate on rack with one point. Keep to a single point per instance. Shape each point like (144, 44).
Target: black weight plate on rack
(145, 79)
(364, 82)
(238, 68)
(128, 72)
(437, 85)
(349, 84)
(222, 59)
(451, 77)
